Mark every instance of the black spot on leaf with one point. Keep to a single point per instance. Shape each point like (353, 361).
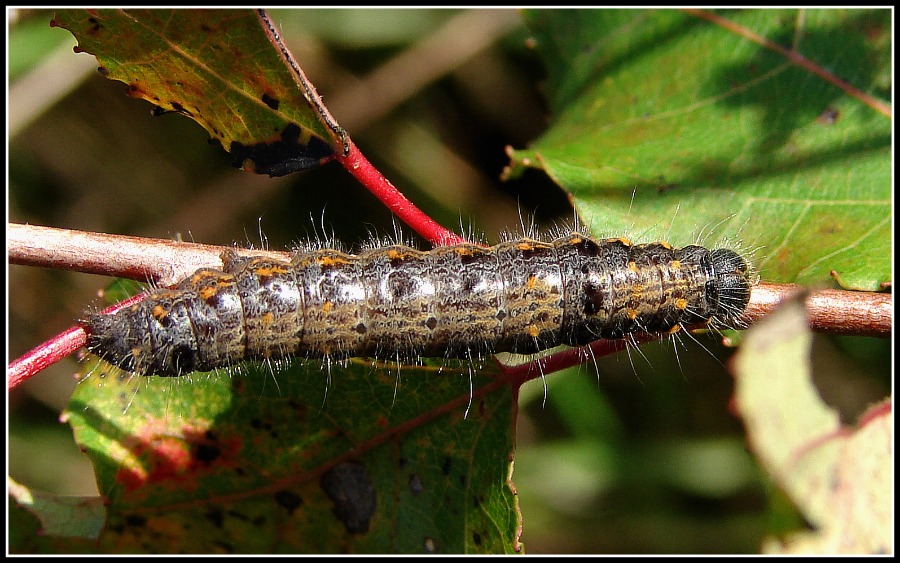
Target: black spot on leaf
(288, 500)
(206, 453)
(349, 486)
(281, 157)
(95, 26)
(270, 101)
(181, 109)
(215, 516)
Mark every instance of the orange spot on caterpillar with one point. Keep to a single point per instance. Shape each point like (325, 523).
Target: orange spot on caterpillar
(270, 270)
(331, 261)
(160, 312)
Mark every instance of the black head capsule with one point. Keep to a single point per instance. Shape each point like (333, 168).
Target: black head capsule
(730, 278)
(145, 339)
(106, 339)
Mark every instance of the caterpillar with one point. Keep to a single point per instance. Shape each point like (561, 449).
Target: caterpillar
(457, 301)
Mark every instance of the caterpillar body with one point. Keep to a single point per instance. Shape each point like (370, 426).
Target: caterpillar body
(397, 302)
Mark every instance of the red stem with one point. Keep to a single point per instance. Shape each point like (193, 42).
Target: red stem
(37, 359)
(45, 355)
(521, 373)
(384, 190)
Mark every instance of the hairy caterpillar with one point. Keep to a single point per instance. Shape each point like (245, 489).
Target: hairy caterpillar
(397, 302)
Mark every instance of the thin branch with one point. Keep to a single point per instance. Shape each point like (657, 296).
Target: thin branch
(158, 261)
(832, 311)
(44, 356)
(306, 86)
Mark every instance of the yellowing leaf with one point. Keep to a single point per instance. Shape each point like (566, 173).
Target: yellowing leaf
(216, 67)
(840, 478)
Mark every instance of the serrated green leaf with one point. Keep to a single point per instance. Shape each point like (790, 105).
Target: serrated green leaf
(216, 67)
(669, 126)
(258, 463)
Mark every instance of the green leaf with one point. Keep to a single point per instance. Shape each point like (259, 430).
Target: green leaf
(216, 67)
(359, 458)
(669, 126)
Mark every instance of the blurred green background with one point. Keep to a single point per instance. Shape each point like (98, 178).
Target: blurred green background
(640, 455)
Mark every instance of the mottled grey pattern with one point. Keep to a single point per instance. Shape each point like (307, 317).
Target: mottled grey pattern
(397, 302)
